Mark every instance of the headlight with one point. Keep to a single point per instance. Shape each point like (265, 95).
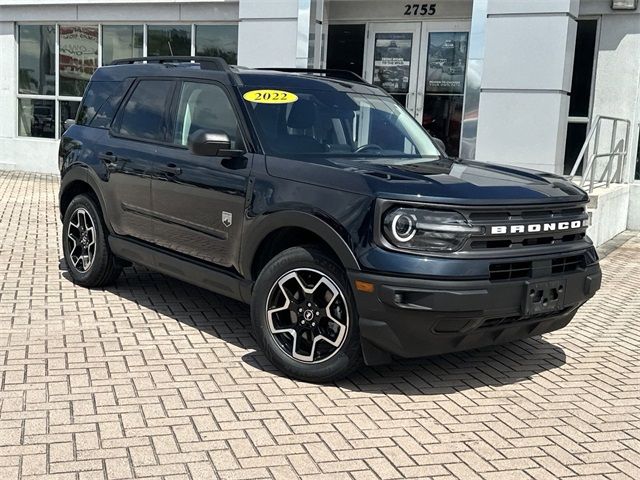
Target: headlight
(428, 230)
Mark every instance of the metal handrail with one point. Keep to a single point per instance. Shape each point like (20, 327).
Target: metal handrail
(617, 150)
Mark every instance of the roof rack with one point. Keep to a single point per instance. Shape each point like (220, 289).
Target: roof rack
(331, 73)
(206, 63)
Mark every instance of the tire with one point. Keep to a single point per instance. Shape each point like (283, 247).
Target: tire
(89, 260)
(280, 306)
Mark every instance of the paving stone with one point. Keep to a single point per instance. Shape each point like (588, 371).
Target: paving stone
(155, 378)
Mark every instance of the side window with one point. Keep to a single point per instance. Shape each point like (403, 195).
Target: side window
(143, 115)
(100, 103)
(205, 106)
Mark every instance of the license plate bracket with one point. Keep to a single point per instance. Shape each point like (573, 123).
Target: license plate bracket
(544, 297)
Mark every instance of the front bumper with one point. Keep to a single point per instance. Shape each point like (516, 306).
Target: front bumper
(410, 317)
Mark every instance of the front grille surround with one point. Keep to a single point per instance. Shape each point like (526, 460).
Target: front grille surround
(513, 244)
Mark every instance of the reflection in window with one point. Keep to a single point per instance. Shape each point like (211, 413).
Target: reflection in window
(121, 41)
(218, 41)
(36, 118)
(78, 58)
(165, 40)
(442, 118)
(204, 106)
(143, 115)
(37, 46)
(68, 110)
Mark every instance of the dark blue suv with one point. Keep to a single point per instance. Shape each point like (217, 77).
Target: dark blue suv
(319, 200)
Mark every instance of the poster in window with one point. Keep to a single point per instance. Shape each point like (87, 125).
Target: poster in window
(78, 58)
(447, 61)
(392, 61)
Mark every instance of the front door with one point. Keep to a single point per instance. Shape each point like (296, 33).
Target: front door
(423, 65)
(198, 201)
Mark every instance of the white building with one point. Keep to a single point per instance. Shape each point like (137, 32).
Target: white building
(518, 82)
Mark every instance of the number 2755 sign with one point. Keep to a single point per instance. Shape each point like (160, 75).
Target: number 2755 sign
(420, 9)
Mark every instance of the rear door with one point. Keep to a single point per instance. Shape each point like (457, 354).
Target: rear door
(198, 201)
(139, 129)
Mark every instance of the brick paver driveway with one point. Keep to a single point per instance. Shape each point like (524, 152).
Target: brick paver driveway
(155, 378)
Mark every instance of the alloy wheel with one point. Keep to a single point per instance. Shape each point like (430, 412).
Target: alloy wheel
(81, 240)
(307, 315)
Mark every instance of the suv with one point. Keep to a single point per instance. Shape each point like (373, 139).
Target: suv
(319, 200)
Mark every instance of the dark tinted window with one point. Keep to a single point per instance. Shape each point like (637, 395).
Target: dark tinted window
(345, 46)
(96, 110)
(144, 113)
(576, 135)
(218, 41)
(36, 118)
(205, 106)
(583, 68)
(168, 40)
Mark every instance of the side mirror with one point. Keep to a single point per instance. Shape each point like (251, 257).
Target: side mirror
(68, 123)
(208, 144)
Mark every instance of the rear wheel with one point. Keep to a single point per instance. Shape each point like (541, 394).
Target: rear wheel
(84, 243)
(304, 316)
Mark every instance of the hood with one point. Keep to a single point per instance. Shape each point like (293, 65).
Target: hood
(440, 181)
(448, 180)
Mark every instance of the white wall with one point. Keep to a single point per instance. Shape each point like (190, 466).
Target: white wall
(633, 222)
(610, 217)
(526, 80)
(267, 33)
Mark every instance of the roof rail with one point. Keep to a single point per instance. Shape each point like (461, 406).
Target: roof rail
(331, 73)
(206, 63)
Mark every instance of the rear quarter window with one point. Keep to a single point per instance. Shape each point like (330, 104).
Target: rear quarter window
(100, 103)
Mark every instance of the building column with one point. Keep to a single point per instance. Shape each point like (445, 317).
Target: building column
(279, 33)
(526, 81)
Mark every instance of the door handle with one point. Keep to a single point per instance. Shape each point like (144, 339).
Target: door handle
(109, 159)
(170, 169)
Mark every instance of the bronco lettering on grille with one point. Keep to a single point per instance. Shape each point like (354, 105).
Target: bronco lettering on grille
(538, 227)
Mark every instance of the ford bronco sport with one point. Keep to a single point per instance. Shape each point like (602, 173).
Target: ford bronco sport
(319, 200)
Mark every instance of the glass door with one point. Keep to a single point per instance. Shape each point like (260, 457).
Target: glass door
(441, 81)
(392, 60)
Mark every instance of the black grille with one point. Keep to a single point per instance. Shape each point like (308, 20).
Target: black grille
(509, 271)
(567, 264)
(504, 321)
(535, 269)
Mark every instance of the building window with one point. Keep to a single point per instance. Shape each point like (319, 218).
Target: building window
(218, 41)
(37, 47)
(121, 41)
(48, 97)
(78, 58)
(580, 98)
(36, 118)
(163, 40)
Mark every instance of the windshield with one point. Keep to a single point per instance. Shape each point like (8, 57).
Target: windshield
(333, 123)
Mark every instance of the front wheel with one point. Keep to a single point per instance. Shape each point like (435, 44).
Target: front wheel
(304, 316)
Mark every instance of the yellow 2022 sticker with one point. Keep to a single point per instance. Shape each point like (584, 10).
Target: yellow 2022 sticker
(270, 96)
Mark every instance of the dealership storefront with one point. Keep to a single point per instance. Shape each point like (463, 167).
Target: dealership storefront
(508, 81)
